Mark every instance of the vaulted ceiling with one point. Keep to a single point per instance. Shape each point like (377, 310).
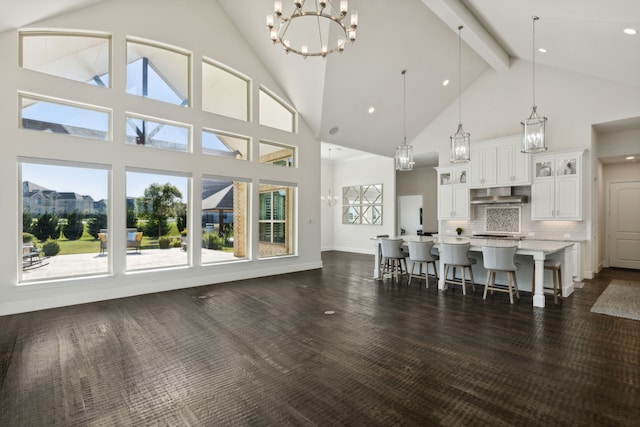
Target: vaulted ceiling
(333, 95)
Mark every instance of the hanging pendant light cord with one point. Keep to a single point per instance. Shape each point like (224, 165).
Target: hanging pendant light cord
(533, 56)
(460, 75)
(404, 106)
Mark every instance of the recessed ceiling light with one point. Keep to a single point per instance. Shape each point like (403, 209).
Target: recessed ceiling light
(630, 31)
(630, 158)
(371, 110)
(542, 50)
(445, 83)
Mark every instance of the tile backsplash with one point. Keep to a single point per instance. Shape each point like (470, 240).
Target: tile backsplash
(502, 219)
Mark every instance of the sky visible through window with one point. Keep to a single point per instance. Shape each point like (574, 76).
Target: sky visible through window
(92, 182)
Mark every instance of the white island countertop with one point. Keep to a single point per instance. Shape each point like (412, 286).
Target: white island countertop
(538, 249)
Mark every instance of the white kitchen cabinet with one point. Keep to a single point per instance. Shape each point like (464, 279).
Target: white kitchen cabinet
(499, 163)
(453, 192)
(556, 191)
(512, 164)
(482, 168)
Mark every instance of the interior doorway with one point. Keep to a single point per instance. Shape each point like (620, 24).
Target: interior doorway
(409, 214)
(623, 224)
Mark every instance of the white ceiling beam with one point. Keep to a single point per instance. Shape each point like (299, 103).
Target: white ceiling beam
(454, 13)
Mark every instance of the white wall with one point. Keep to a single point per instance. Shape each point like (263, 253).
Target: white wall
(618, 143)
(496, 103)
(327, 212)
(370, 169)
(201, 27)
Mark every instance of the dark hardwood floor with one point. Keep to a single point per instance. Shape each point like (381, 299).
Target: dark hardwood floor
(263, 352)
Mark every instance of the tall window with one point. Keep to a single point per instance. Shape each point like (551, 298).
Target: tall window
(276, 113)
(158, 73)
(224, 92)
(80, 57)
(156, 216)
(64, 208)
(276, 220)
(224, 219)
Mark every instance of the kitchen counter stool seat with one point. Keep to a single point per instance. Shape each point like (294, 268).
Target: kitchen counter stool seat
(420, 254)
(500, 259)
(457, 255)
(393, 257)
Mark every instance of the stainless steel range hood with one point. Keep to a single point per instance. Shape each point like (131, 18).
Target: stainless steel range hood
(499, 195)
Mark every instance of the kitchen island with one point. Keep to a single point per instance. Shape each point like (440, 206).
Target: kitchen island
(530, 254)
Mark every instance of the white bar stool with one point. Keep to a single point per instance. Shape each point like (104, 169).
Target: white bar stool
(500, 259)
(420, 254)
(393, 254)
(457, 255)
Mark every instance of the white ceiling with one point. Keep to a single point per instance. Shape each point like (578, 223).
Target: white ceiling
(420, 36)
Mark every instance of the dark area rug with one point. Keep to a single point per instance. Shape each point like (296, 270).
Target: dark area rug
(621, 298)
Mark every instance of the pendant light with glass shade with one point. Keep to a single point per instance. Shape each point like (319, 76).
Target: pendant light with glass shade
(330, 199)
(404, 155)
(460, 141)
(533, 128)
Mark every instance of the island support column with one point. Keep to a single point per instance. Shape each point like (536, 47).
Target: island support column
(538, 295)
(376, 262)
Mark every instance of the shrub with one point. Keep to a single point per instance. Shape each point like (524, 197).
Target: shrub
(27, 237)
(27, 220)
(46, 227)
(50, 248)
(132, 219)
(156, 228)
(183, 233)
(75, 227)
(164, 242)
(176, 243)
(97, 222)
(212, 241)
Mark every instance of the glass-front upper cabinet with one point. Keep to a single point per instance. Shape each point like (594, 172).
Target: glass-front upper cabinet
(568, 166)
(451, 176)
(548, 166)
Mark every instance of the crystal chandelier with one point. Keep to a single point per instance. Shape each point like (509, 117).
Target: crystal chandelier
(404, 156)
(533, 128)
(460, 141)
(330, 199)
(306, 31)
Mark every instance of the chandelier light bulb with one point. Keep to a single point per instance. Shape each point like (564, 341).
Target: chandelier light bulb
(270, 21)
(277, 7)
(344, 6)
(354, 19)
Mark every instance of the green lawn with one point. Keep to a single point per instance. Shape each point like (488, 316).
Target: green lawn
(87, 244)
